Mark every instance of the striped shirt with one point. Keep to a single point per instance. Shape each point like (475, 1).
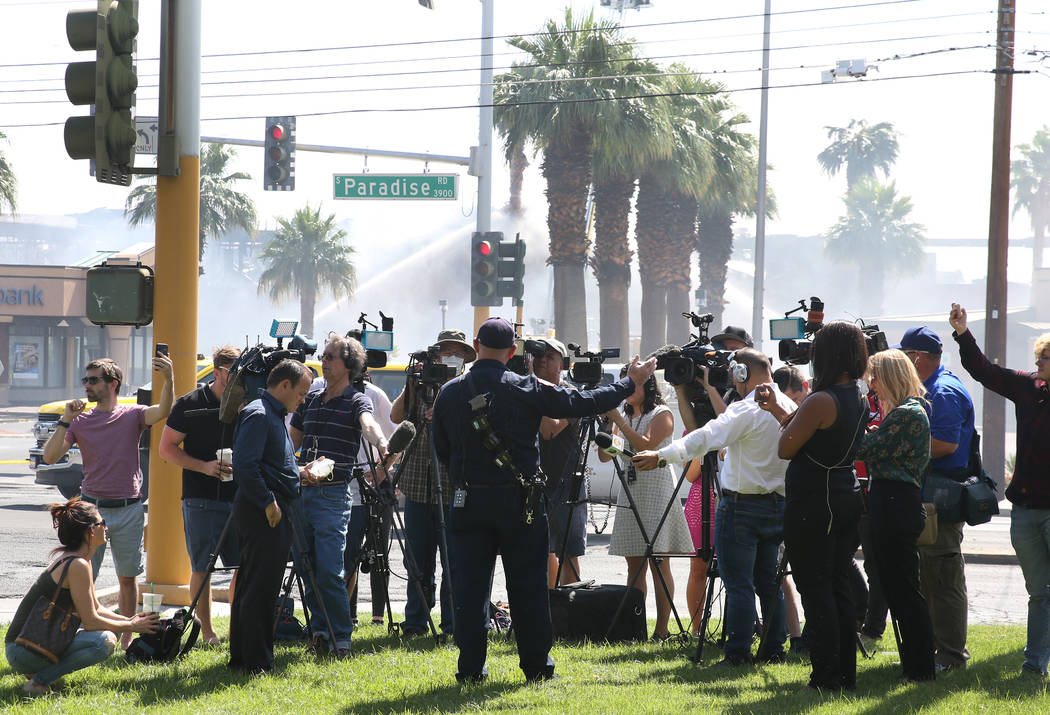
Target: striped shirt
(332, 429)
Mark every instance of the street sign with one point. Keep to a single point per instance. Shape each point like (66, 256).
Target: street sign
(146, 129)
(423, 187)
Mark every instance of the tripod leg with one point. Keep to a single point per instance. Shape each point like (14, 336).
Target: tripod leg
(415, 576)
(307, 566)
(712, 574)
(446, 567)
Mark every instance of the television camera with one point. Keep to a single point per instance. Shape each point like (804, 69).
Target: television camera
(682, 365)
(587, 367)
(796, 334)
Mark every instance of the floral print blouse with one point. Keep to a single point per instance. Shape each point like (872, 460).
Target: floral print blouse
(900, 448)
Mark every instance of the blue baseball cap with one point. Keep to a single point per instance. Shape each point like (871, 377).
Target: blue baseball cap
(922, 339)
(496, 333)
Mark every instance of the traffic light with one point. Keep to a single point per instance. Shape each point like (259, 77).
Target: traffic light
(484, 269)
(109, 83)
(120, 295)
(279, 150)
(511, 268)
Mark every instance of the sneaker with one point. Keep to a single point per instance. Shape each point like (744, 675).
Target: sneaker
(320, 645)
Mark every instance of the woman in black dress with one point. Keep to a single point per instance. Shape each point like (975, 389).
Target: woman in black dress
(823, 503)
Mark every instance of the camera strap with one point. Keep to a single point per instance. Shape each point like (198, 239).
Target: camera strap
(490, 439)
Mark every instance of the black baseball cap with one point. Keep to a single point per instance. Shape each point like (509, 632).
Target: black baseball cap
(733, 332)
(496, 333)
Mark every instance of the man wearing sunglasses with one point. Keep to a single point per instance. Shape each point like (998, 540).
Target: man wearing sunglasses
(108, 438)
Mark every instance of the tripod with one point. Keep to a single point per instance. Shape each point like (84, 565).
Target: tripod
(576, 470)
(708, 483)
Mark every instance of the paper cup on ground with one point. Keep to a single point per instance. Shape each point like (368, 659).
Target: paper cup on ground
(152, 602)
(225, 457)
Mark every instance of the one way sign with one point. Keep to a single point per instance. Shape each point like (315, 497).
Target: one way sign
(146, 129)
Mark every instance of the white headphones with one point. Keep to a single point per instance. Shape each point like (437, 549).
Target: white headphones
(739, 371)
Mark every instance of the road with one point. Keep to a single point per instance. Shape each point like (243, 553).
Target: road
(996, 589)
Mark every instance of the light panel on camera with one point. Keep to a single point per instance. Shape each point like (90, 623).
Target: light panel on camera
(283, 328)
(787, 329)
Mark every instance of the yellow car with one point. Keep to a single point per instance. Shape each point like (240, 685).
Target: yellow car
(67, 473)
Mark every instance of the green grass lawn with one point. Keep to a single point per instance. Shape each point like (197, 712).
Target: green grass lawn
(386, 675)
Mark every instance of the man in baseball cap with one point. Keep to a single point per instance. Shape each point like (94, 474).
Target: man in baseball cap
(732, 337)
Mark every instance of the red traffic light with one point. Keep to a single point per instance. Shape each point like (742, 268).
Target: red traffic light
(484, 248)
(277, 132)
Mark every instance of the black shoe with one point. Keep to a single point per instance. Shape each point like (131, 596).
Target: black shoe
(730, 663)
(544, 674)
(471, 677)
(799, 646)
(320, 645)
(773, 658)
(412, 631)
(342, 653)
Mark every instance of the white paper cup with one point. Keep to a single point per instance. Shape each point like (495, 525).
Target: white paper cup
(225, 457)
(152, 602)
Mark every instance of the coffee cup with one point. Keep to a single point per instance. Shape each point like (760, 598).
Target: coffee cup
(152, 602)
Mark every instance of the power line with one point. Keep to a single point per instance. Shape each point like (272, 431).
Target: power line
(587, 100)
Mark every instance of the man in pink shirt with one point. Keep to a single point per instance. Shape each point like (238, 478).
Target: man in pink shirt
(108, 437)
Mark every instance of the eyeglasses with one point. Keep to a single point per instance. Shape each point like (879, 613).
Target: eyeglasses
(328, 356)
(91, 380)
(912, 353)
(223, 368)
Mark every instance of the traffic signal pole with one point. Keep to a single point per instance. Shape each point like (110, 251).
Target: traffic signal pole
(484, 155)
(175, 295)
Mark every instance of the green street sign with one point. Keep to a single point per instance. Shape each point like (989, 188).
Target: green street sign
(411, 187)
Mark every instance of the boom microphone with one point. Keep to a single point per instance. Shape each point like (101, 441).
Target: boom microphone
(399, 440)
(613, 446)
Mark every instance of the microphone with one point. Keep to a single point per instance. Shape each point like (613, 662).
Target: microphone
(613, 446)
(399, 440)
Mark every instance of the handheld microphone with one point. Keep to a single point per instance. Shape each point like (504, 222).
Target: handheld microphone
(613, 446)
(399, 440)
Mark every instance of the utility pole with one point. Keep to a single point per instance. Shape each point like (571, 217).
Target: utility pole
(484, 153)
(175, 294)
(758, 295)
(994, 417)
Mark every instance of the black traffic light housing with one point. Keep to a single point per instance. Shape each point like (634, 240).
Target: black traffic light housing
(511, 268)
(120, 294)
(279, 154)
(109, 83)
(484, 269)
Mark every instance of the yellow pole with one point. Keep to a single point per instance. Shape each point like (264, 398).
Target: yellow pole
(481, 314)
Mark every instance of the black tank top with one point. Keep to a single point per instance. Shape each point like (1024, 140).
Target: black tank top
(826, 459)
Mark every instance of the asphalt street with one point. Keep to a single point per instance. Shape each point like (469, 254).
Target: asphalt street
(996, 587)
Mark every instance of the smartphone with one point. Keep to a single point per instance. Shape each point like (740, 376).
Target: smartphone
(162, 349)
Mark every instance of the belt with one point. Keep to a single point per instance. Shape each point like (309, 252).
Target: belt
(323, 482)
(110, 503)
(737, 495)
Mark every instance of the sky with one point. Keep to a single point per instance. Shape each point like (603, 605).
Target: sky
(928, 62)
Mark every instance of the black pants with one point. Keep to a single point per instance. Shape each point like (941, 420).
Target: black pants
(490, 524)
(821, 562)
(264, 554)
(875, 615)
(897, 519)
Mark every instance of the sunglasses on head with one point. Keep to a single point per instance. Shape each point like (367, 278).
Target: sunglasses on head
(101, 522)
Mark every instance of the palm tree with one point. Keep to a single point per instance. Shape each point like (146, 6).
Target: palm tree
(552, 116)
(308, 255)
(863, 150)
(635, 134)
(8, 183)
(732, 191)
(876, 236)
(1031, 182)
(518, 163)
(222, 208)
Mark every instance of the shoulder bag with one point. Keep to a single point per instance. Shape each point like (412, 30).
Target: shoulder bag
(49, 629)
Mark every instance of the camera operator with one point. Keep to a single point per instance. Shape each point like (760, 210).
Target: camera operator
(417, 485)
(749, 526)
(485, 426)
(267, 479)
(557, 446)
(941, 567)
(330, 423)
(207, 484)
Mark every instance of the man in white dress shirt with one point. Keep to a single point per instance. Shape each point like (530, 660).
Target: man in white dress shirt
(750, 519)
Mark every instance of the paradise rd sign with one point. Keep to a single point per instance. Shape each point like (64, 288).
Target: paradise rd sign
(422, 187)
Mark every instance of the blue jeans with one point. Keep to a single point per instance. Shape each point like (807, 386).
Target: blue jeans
(421, 533)
(321, 516)
(748, 533)
(87, 649)
(1030, 536)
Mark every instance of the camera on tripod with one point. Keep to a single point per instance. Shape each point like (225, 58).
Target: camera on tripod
(587, 368)
(795, 350)
(378, 341)
(681, 365)
(248, 375)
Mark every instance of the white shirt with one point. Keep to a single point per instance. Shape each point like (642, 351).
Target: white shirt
(381, 412)
(750, 435)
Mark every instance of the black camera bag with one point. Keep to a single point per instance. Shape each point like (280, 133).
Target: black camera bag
(166, 645)
(584, 610)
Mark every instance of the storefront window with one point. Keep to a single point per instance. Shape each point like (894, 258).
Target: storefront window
(27, 360)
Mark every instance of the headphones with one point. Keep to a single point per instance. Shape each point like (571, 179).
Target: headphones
(739, 371)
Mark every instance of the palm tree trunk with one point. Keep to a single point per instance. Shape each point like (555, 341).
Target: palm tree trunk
(611, 259)
(567, 169)
(679, 277)
(307, 300)
(517, 176)
(656, 255)
(716, 247)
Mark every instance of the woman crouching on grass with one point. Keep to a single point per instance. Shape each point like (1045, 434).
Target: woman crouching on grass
(81, 530)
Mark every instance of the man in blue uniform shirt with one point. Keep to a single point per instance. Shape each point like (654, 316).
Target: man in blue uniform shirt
(267, 480)
(941, 574)
(490, 511)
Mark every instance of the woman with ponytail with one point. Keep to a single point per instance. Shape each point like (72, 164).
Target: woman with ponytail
(80, 531)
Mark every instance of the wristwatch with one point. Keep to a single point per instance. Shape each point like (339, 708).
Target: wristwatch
(661, 463)
(63, 423)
